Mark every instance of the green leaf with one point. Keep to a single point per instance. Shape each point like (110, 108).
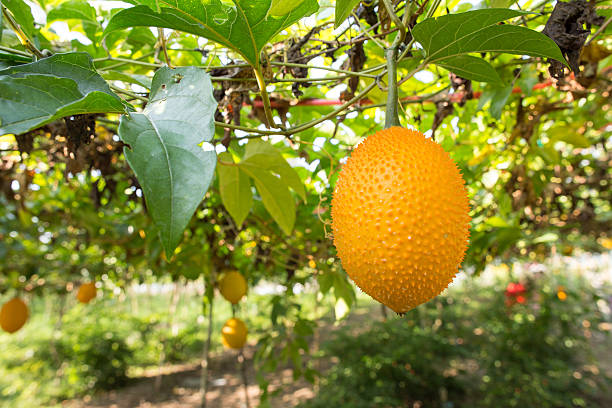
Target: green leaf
(13, 59)
(32, 95)
(343, 10)
(274, 195)
(470, 67)
(343, 289)
(326, 281)
(548, 153)
(263, 155)
(527, 79)
(173, 170)
(479, 31)
(283, 7)
(73, 10)
(244, 26)
(22, 14)
(568, 134)
(78, 10)
(546, 237)
(140, 36)
(498, 97)
(235, 189)
(502, 3)
(497, 221)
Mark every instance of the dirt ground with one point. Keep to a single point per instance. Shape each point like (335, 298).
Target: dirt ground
(179, 385)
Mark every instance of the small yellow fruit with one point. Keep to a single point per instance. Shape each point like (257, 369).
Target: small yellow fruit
(87, 291)
(13, 315)
(233, 286)
(234, 333)
(400, 218)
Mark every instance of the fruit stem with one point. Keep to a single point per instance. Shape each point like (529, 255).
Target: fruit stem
(391, 112)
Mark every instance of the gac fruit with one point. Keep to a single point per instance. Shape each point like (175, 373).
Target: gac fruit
(87, 291)
(13, 315)
(234, 333)
(400, 218)
(233, 286)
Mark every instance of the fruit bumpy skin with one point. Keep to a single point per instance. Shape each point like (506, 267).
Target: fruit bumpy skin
(13, 315)
(400, 218)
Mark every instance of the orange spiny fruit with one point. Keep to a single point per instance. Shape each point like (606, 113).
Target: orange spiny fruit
(13, 315)
(400, 218)
(87, 291)
(233, 286)
(234, 333)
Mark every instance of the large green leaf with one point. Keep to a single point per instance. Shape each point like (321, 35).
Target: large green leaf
(32, 95)
(235, 189)
(343, 9)
(264, 156)
(448, 37)
(274, 195)
(245, 26)
(173, 170)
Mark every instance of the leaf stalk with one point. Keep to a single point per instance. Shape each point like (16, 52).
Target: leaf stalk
(261, 82)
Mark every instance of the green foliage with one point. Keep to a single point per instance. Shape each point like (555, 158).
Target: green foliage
(474, 348)
(534, 153)
(95, 350)
(447, 40)
(244, 27)
(234, 188)
(41, 92)
(343, 10)
(172, 169)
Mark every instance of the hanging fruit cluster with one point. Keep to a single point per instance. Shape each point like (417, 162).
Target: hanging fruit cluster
(233, 287)
(15, 313)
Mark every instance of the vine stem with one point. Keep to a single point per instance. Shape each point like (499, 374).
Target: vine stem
(399, 23)
(264, 96)
(22, 36)
(128, 93)
(162, 43)
(341, 71)
(14, 51)
(599, 31)
(391, 112)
